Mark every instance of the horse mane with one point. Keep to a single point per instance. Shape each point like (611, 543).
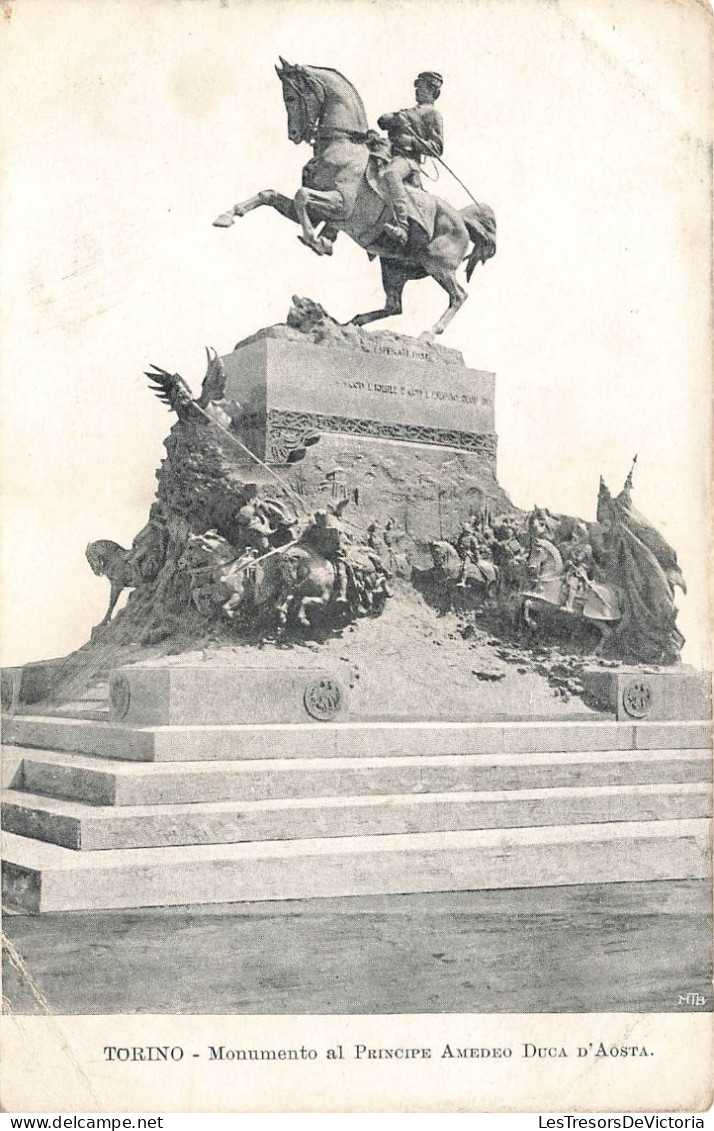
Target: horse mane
(349, 113)
(552, 550)
(103, 546)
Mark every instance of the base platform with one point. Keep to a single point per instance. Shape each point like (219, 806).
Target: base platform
(103, 815)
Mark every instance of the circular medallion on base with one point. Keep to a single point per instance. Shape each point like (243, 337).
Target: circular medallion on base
(637, 698)
(119, 694)
(323, 699)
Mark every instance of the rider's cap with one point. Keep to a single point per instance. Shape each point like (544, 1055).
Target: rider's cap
(431, 76)
(245, 515)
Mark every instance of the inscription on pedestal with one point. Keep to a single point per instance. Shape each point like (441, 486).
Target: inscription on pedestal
(287, 388)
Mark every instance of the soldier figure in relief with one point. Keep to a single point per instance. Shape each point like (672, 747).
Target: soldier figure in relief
(263, 524)
(577, 557)
(413, 134)
(469, 549)
(326, 535)
(254, 532)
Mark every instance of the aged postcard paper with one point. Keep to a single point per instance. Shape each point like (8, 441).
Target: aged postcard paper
(356, 685)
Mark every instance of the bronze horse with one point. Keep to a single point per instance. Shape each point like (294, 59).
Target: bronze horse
(109, 559)
(283, 585)
(544, 602)
(341, 189)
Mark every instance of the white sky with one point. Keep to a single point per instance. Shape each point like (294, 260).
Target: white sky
(128, 126)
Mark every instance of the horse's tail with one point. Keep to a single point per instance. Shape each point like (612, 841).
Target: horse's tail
(481, 225)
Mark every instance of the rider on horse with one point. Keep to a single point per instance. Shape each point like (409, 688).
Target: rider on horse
(413, 134)
(577, 557)
(344, 190)
(326, 535)
(254, 533)
(262, 523)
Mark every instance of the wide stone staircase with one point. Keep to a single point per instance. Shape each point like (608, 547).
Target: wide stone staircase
(100, 814)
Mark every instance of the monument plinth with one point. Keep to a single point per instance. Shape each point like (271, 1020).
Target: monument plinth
(287, 386)
(400, 425)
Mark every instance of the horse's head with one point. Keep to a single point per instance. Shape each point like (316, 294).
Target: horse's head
(319, 96)
(441, 553)
(103, 554)
(205, 550)
(95, 557)
(541, 523)
(304, 96)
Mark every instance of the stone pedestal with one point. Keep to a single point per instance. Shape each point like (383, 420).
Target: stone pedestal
(209, 695)
(398, 392)
(403, 428)
(635, 693)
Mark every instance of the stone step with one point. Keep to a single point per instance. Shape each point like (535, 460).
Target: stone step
(89, 827)
(345, 740)
(99, 781)
(39, 877)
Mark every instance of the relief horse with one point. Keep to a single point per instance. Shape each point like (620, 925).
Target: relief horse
(109, 559)
(544, 603)
(482, 573)
(218, 575)
(341, 190)
(282, 587)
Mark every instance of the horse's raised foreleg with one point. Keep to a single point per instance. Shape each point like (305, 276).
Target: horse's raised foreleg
(282, 204)
(394, 276)
(232, 607)
(311, 203)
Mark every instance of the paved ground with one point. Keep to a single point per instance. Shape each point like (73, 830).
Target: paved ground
(616, 947)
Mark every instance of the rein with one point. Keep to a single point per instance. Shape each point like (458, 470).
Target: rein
(314, 132)
(311, 127)
(335, 131)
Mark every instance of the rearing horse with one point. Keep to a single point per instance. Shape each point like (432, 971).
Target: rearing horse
(341, 190)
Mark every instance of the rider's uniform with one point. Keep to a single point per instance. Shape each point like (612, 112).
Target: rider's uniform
(469, 550)
(253, 533)
(578, 564)
(414, 134)
(329, 539)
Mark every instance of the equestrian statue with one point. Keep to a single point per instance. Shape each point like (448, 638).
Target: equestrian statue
(561, 583)
(369, 186)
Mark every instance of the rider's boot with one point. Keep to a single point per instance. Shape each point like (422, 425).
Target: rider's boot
(398, 232)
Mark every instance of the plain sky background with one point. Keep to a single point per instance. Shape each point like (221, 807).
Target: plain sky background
(128, 126)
